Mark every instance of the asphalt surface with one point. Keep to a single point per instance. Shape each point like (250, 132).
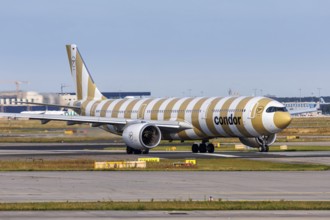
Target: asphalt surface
(128, 186)
(183, 215)
(103, 151)
(162, 185)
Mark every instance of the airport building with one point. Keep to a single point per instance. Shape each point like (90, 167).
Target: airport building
(322, 105)
(11, 101)
(296, 106)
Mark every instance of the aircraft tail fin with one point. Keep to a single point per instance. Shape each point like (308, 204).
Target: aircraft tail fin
(85, 86)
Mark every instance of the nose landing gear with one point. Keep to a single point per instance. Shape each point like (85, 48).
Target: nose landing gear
(264, 148)
(203, 147)
(263, 143)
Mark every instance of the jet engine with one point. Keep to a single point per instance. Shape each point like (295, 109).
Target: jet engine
(257, 142)
(142, 136)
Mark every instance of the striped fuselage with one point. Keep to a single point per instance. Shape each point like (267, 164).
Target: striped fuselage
(210, 117)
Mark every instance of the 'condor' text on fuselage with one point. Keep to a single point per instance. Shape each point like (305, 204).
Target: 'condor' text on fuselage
(231, 120)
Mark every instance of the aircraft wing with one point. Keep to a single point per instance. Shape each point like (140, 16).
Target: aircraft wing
(46, 104)
(97, 121)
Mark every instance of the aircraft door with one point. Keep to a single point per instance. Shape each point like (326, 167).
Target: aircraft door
(142, 111)
(253, 110)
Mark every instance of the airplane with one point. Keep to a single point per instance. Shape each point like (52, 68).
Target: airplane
(144, 122)
(297, 108)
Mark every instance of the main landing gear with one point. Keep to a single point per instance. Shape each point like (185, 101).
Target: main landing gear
(203, 147)
(130, 150)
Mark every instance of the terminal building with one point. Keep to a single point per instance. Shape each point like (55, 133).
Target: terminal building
(10, 101)
(296, 106)
(322, 105)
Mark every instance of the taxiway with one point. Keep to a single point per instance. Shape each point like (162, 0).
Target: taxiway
(182, 215)
(116, 151)
(162, 185)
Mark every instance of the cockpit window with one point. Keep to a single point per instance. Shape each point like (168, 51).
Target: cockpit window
(276, 109)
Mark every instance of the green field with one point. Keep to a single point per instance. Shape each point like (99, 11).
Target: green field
(223, 164)
(169, 205)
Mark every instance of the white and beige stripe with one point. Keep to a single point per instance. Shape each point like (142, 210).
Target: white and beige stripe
(200, 112)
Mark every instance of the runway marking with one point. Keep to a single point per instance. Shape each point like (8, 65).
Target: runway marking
(218, 155)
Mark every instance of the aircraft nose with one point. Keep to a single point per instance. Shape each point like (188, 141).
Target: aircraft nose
(282, 119)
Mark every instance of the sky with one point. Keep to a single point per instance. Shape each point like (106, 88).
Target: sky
(170, 48)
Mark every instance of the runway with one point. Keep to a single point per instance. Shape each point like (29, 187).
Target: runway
(183, 215)
(162, 185)
(116, 151)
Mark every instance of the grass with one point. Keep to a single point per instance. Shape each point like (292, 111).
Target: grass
(310, 122)
(169, 205)
(32, 131)
(46, 165)
(64, 139)
(224, 164)
(35, 124)
(237, 164)
(301, 148)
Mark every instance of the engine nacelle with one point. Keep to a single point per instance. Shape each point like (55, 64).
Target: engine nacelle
(257, 141)
(142, 136)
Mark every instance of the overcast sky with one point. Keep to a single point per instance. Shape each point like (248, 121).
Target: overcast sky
(171, 48)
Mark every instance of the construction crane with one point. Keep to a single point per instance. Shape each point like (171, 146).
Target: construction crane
(17, 83)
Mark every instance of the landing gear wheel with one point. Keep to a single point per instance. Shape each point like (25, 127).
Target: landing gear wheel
(202, 148)
(194, 148)
(129, 150)
(210, 148)
(146, 151)
(137, 151)
(264, 148)
(264, 141)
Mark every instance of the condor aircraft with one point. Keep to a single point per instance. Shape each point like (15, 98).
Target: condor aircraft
(144, 122)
